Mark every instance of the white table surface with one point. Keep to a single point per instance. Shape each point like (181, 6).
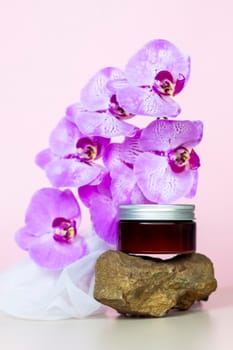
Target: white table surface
(207, 325)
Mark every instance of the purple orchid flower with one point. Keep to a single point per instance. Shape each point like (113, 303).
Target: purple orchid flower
(102, 200)
(70, 161)
(50, 234)
(155, 73)
(167, 170)
(103, 211)
(100, 113)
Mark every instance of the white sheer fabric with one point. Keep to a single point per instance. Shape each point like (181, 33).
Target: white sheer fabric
(28, 291)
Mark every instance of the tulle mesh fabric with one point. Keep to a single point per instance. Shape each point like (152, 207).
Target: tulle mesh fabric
(31, 292)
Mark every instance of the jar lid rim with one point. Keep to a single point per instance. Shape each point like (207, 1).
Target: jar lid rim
(158, 207)
(156, 211)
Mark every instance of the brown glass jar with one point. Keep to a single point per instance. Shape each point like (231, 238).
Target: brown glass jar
(156, 229)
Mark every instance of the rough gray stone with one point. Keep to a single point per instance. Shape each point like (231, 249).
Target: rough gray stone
(151, 287)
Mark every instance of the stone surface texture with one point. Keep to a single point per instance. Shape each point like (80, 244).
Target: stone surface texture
(149, 286)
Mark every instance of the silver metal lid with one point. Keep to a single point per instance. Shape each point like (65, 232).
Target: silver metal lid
(165, 212)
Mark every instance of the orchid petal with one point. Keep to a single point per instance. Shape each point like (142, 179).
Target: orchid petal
(41, 210)
(157, 181)
(137, 197)
(68, 206)
(117, 154)
(104, 186)
(87, 192)
(131, 148)
(72, 110)
(115, 85)
(112, 156)
(72, 173)
(164, 135)
(23, 237)
(43, 158)
(99, 178)
(103, 216)
(64, 137)
(194, 161)
(103, 124)
(193, 189)
(123, 182)
(48, 253)
(144, 101)
(95, 95)
(155, 56)
(180, 83)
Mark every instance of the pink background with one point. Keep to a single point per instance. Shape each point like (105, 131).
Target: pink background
(49, 49)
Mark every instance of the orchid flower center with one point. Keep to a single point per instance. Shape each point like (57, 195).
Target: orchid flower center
(86, 150)
(181, 158)
(164, 84)
(116, 110)
(64, 229)
(178, 159)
